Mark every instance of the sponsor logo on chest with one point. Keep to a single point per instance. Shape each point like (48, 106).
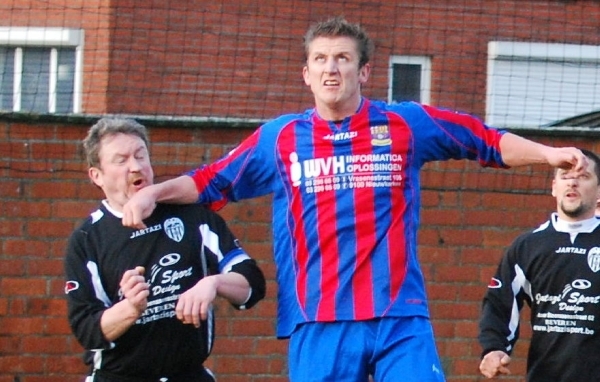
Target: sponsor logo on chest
(593, 255)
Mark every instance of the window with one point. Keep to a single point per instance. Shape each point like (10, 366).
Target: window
(40, 69)
(535, 84)
(410, 79)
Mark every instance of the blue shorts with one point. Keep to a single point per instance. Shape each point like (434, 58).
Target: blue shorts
(389, 349)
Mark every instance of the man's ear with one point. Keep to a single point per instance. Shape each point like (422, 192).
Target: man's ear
(305, 75)
(95, 176)
(553, 184)
(363, 73)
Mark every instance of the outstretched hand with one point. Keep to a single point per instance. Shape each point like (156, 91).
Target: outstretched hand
(494, 363)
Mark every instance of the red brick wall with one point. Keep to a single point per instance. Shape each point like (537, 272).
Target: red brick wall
(244, 58)
(44, 194)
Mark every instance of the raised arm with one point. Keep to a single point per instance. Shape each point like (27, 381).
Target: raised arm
(179, 190)
(519, 151)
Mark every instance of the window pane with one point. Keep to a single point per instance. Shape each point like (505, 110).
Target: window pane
(406, 83)
(533, 93)
(65, 80)
(7, 74)
(35, 80)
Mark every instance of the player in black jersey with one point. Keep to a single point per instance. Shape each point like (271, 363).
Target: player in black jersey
(139, 301)
(555, 269)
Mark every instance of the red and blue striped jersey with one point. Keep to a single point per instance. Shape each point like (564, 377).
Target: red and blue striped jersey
(346, 198)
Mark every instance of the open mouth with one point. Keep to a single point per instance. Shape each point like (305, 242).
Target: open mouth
(572, 194)
(136, 181)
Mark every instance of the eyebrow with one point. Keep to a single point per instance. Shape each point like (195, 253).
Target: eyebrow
(121, 154)
(564, 172)
(319, 53)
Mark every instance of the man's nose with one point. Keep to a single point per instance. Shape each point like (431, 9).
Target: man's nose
(134, 165)
(331, 65)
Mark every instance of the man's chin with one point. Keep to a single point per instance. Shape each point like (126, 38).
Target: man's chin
(573, 213)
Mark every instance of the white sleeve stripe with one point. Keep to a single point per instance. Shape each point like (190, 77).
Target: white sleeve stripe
(210, 329)
(98, 288)
(210, 240)
(243, 305)
(518, 283)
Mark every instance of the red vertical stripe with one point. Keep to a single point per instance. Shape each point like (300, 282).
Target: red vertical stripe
(203, 177)
(326, 228)
(301, 251)
(401, 140)
(365, 241)
(287, 145)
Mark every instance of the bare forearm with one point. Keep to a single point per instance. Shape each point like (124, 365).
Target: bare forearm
(233, 287)
(117, 319)
(178, 190)
(518, 151)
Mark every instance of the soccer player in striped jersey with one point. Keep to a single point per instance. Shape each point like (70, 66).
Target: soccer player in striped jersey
(344, 177)
(555, 270)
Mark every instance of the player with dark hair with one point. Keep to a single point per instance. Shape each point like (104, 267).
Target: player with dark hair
(140, 301)
(555, 270)
(345, 183)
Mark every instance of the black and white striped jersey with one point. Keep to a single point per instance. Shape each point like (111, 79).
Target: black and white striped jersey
(179, 246)
(555, 269)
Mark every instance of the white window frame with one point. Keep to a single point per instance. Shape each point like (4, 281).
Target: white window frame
(551, 53)
(24, 37)
(425, 86)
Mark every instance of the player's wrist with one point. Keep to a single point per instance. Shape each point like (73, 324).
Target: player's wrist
(133, 309)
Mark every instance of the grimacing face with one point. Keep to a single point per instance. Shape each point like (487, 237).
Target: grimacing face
(124, 169)
(576, 196)
(334, 77)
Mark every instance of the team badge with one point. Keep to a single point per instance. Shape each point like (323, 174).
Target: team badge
(380, 135)
(174, 229)
(70, 286)
(593, 258)
(495, 283)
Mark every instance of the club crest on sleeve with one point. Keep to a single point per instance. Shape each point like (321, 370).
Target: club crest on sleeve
(71, 286)
(495, 283)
